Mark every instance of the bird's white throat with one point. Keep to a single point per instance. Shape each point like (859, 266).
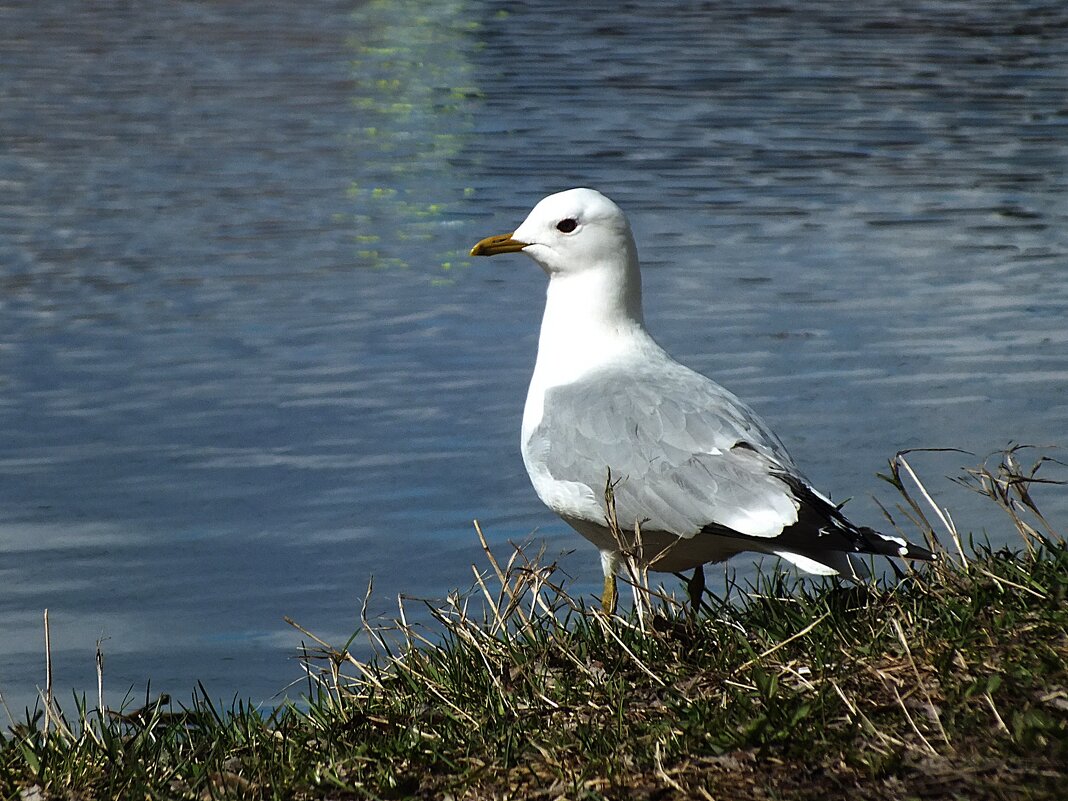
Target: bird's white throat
(592, 319)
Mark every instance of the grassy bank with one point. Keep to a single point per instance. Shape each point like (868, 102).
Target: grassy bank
(952, 683)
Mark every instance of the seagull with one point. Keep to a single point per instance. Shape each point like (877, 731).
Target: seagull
(618, 436)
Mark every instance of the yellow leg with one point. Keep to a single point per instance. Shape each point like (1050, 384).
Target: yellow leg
(610, 595)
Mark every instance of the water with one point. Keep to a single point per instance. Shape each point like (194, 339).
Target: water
(245, 363)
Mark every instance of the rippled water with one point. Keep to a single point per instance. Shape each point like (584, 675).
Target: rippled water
(245, 363)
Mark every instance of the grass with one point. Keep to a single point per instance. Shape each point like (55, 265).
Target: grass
(950, 683)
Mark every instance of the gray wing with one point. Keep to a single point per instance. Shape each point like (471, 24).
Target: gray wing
(687, 453)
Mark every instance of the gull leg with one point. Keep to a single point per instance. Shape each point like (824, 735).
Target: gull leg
(695, 587)
(609, 565)
(610, 595)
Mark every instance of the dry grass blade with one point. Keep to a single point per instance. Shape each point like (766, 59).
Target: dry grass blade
(636, 561)
(943, 514)
(606, 623)
(1010, 487)
(931, 708)
(784, 643)
(49, 712)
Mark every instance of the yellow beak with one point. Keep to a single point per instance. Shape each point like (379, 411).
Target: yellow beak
(502, 243)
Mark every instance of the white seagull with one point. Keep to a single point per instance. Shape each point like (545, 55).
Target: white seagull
(696, 474)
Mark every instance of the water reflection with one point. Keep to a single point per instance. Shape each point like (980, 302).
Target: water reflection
(414, 94)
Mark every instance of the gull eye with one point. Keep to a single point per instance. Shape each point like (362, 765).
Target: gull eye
(566, 226)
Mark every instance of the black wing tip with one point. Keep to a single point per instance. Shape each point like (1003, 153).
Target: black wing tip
(820, 517)
(884, 545)
(862, 538)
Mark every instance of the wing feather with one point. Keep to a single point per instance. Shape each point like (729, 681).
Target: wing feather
(687, 454)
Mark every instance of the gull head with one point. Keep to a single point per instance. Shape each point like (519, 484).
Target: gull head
(569, 233)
